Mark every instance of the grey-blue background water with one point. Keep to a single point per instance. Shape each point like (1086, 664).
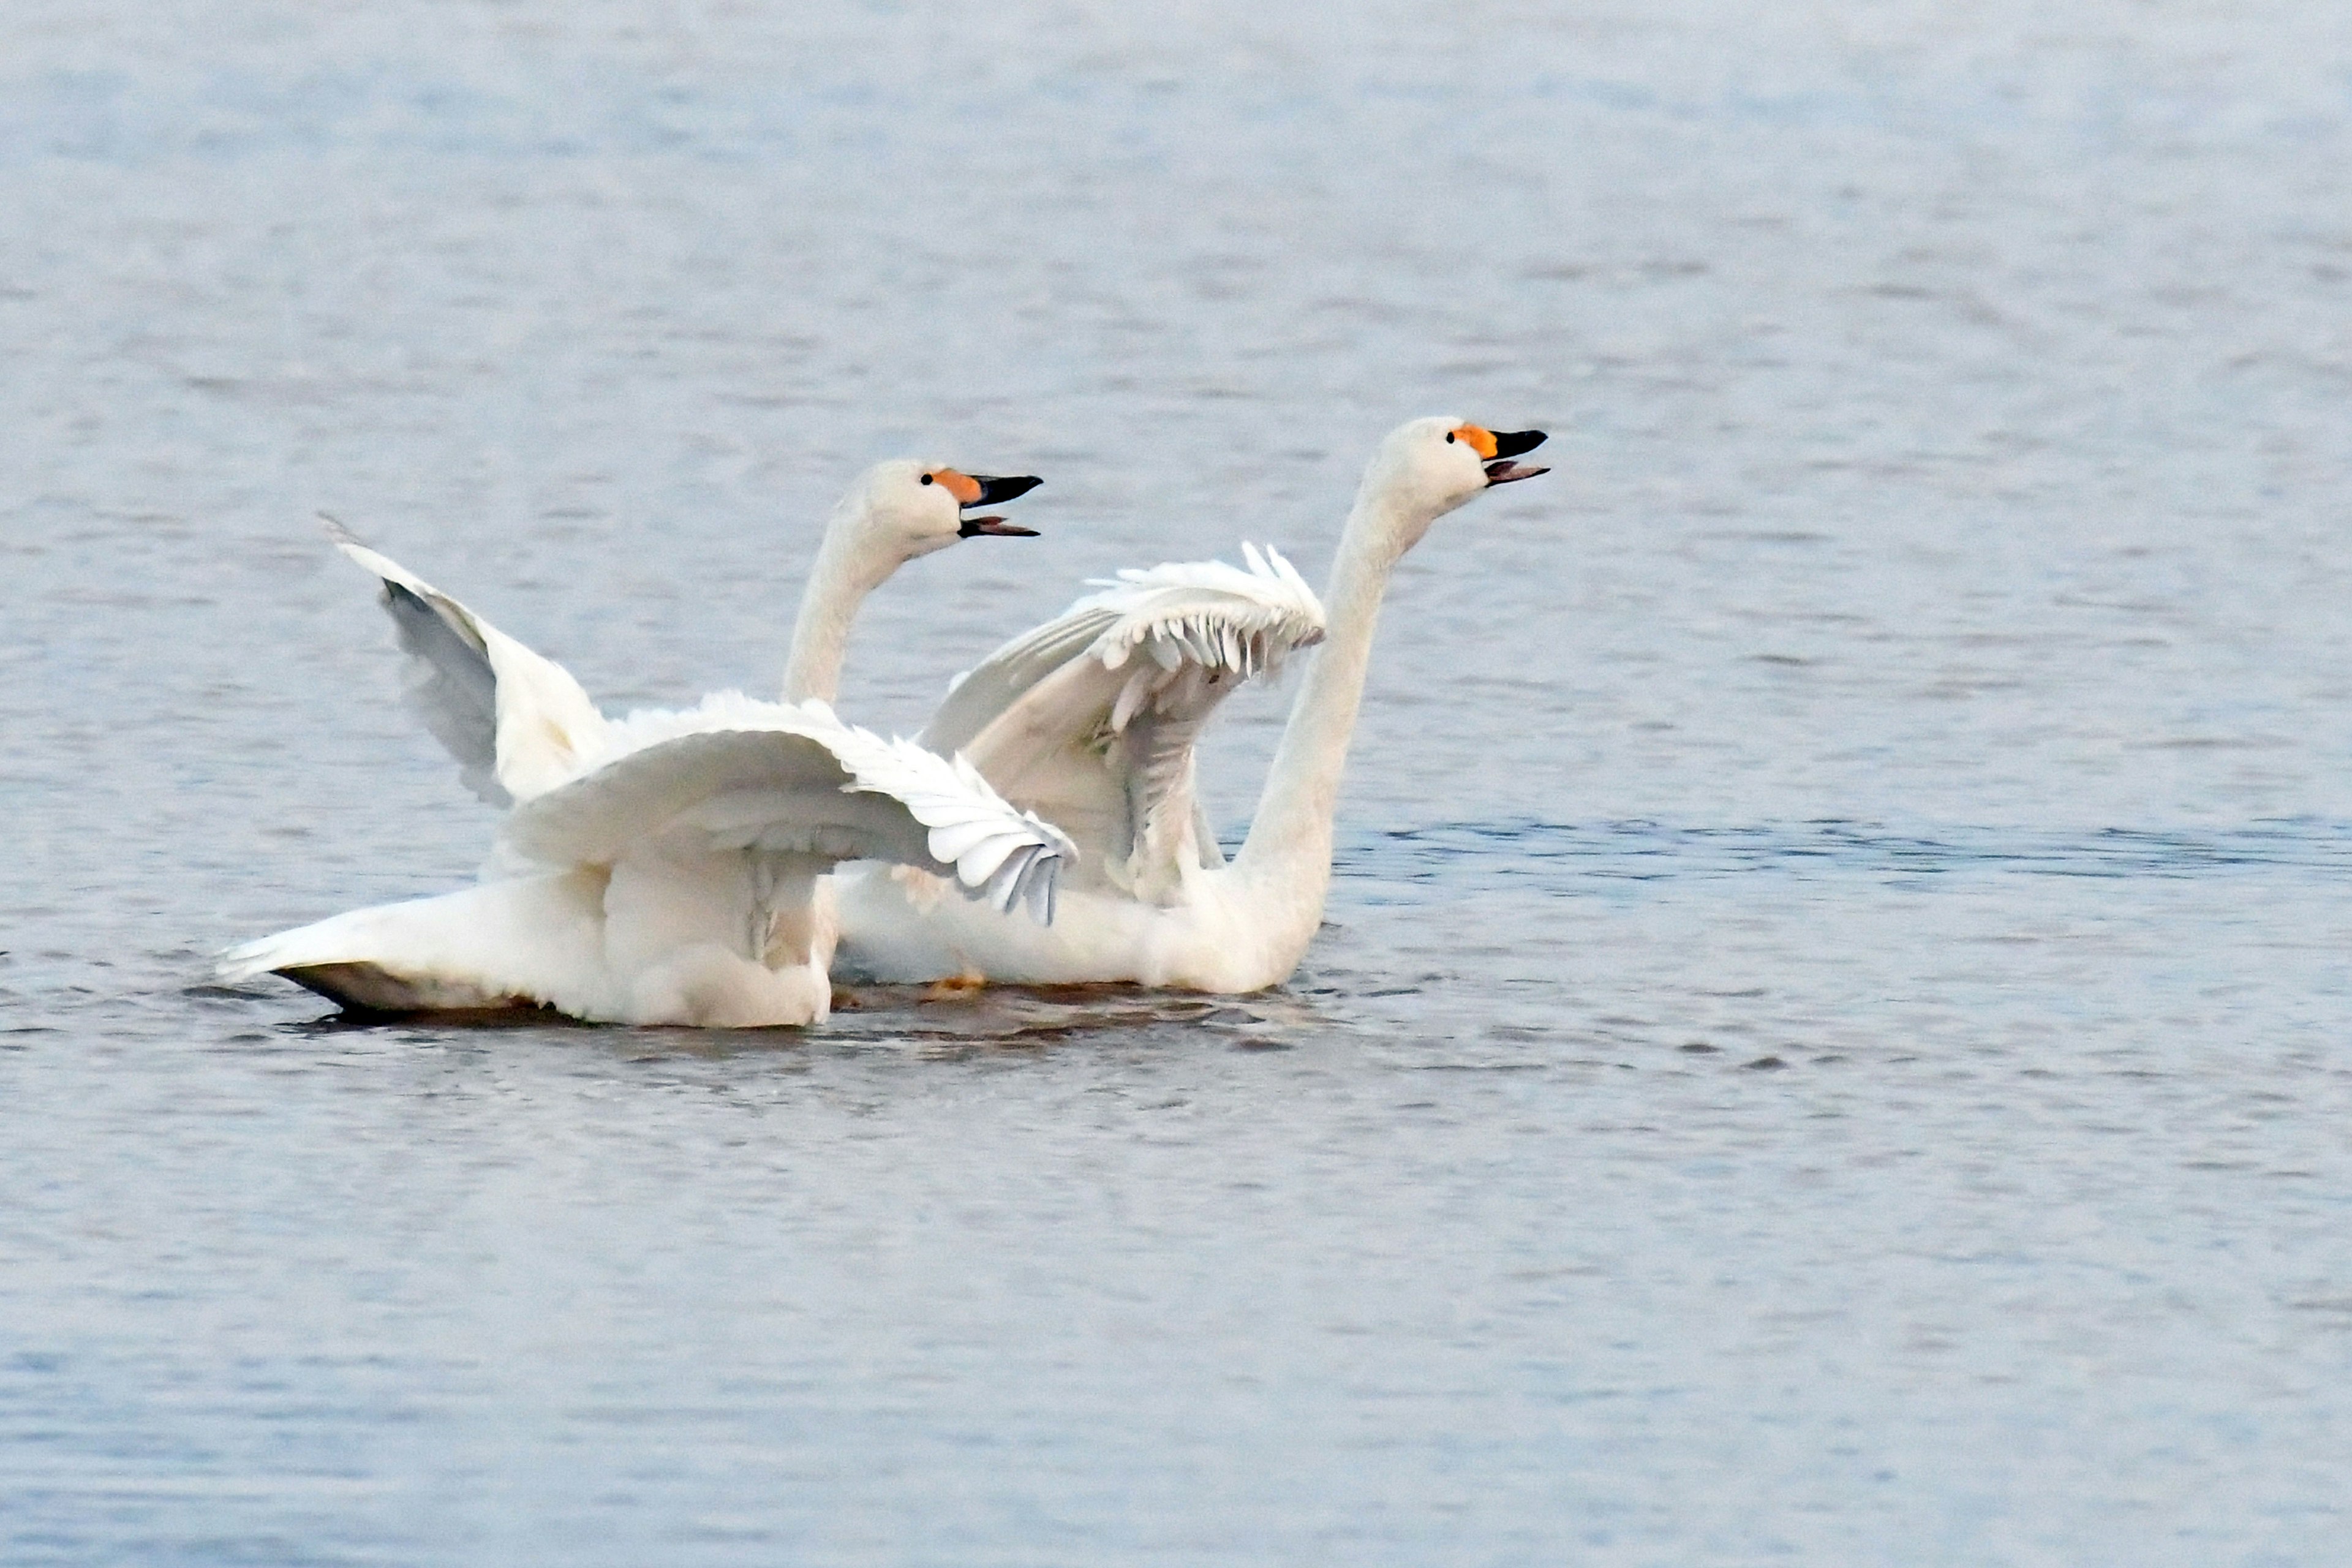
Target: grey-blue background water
(1831, 1041)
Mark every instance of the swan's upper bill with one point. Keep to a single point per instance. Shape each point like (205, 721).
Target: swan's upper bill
(986, 489)
(1498, 448)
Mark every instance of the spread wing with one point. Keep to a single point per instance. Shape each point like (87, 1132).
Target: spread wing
(518, 723)
(1090, 719)
(790, 779)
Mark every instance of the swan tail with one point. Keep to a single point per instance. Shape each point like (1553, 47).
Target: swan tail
(533, 942)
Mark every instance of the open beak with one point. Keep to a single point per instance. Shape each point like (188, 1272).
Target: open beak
(1509, 444)
(989, 490)
(995, 527)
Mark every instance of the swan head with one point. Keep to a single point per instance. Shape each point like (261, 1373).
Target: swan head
(907, 509)
(1427, 468)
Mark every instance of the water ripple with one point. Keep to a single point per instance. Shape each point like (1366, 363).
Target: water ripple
(1658, 851)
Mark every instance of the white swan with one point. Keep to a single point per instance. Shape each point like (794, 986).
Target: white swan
(664, 867)
(1063, 722)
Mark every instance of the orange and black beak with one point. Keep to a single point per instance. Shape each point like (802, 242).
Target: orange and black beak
(1498, 448)
(984, 489)
(1509, 444)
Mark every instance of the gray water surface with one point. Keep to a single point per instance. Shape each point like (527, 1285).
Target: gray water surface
(1831, 1043)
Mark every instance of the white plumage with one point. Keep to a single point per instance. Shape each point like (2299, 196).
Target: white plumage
(518, 723)
(666, 867)
(1091, 719)
(785, 778)
(673, 880)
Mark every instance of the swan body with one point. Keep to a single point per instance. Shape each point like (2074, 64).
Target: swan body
(1053, 723)
(673, 880)
(664, 867)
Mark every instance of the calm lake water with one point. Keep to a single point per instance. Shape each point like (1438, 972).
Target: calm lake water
(1833, 1042)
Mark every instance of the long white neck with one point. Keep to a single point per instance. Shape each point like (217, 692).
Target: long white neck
(1288, 856)
(846, 570)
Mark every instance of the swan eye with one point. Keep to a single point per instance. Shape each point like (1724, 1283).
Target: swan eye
(1449, 441)
(926, 478)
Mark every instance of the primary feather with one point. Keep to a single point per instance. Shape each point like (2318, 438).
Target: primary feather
(517, 723)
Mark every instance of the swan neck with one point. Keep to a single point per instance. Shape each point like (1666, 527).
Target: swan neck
(1290, 837)
(845, 570)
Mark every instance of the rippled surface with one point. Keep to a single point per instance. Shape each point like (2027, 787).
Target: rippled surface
(1830, 1043)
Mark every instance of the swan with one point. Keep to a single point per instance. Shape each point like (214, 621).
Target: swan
(1090, 719)
(664, 867)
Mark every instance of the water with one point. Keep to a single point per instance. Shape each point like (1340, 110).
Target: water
(1831, 1042)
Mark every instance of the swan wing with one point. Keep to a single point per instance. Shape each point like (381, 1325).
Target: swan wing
(1091, 719)
(790, 779)
(517, 723)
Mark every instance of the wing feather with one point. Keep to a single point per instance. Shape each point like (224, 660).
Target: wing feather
(1090, 719)
(791, 778)
(978, 695)
(518, 723)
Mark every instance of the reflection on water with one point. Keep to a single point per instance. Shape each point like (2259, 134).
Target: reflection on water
(1830, 1039)
(941, 1020)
